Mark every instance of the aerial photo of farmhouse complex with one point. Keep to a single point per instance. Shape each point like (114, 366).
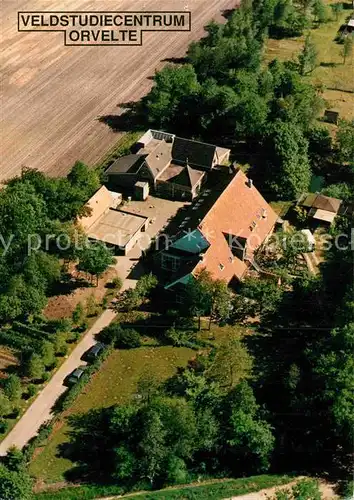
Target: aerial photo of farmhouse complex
(177, 249)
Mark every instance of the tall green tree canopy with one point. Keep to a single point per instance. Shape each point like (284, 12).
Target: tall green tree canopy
(288, 169)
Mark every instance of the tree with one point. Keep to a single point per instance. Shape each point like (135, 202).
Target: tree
(248, 438)
(151, 445)
(320, 149)
(123, 338)
(337, 8)
(171, 84)
(86, 180)
(230, 364)
(288, 165)
(341, 191)
(95, 259)
(293, 100)
(344, 143)
(22, 213)
(15, 459)
(198, 295)
(148, 386)
(12, 387)
(5, 404)
(15, 485)
(292, 245)
(221, 301)
(347, 49)
(335, 366)
(146, 284)
(34, 366)
(320, 11)
(266, 293)
(308, 56)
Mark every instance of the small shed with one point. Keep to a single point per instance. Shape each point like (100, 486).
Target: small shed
(141, 190)
(309, 238)
(331, 116)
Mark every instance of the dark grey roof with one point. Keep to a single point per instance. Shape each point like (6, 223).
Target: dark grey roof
(126, 164)
(196, 153)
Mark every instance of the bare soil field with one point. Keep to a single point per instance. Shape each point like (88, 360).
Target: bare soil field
(52, 95)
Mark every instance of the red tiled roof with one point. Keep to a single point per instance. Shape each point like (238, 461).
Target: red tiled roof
(239, 211)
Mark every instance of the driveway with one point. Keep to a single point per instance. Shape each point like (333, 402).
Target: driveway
(40, 409)
(160, 211)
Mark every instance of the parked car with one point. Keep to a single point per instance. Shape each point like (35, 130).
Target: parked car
(75, 376)
(93, 352)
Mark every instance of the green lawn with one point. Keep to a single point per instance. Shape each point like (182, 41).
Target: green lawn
(331, 72)
(114, 383)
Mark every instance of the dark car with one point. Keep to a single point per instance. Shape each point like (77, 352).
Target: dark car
(75, 376)
(93, 352)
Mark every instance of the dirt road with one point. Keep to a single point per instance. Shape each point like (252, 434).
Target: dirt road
(52, 95)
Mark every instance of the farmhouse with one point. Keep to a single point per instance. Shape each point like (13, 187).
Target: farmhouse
(220, 233)
(117, 228)
(174, 167)
(320, 208)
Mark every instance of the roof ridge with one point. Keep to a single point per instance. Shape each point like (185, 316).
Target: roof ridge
(193, 140)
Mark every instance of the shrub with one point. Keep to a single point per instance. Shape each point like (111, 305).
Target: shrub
(67, 399)
(178, 337)
(12, 387)
(15, 459)
(34, 366)
(78, 315)
(91, 306)
(124, 338)
(117, 283)
(127, 338)
(60, 346)
(31, 390)
(47, 353)
(5, 404)
(63, 325)
(3, 425)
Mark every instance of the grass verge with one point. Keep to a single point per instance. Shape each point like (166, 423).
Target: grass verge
(121, 148)
(211, 490)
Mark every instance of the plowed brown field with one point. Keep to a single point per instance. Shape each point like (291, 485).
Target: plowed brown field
(52, 95)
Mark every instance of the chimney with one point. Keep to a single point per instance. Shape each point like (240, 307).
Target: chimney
(249, 183)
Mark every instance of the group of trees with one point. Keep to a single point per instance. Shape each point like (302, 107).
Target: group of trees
(36, 228)
(269, 110)
(15, 482)
(196, 424)
(38, 234)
